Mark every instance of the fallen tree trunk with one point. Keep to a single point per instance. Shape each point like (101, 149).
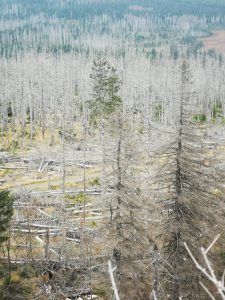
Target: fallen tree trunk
(13, 168)
(60, 192)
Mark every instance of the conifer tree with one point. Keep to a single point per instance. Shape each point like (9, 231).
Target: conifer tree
(6, 212)
(189, 202)
(105, 101)
(106, 85)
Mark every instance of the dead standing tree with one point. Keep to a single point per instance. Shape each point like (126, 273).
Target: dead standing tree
(126, 228)
(128, 224)
(189, 203)
(130, 240)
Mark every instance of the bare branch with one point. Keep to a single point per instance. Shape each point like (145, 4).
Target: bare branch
(207, 291)
(212, 244)
(114, 287)
(211, 276)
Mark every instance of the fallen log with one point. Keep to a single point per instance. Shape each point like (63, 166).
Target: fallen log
(13, 168)
(68, 192)
(73, 209)
(32, 231)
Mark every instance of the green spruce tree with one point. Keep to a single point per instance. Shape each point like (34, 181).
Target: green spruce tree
(6, 213)
(105, 88)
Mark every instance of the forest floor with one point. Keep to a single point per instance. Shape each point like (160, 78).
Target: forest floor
(216, 41)
(34, 173)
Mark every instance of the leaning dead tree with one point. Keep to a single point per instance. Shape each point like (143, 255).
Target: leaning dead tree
(188, 184)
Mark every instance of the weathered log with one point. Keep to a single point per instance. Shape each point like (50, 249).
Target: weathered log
(13, 168)
(60, 192)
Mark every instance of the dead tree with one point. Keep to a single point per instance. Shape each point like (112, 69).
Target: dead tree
(128, 225)
(189, 203)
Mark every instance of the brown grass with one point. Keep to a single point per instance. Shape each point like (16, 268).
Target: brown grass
(216, 41)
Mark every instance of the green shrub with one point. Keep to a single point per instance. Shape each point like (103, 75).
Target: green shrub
(95, 182)
(26, 289)
(2, 271)
(158, 112)
(217, 111)
(15, 144)
(93, 224)
(27, 272)
(7, 280)
(100, 291)
(200, 118)
(79, 198)
(141, 130)
(55, 187)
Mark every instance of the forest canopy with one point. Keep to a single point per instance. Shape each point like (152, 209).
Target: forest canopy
(80, 9)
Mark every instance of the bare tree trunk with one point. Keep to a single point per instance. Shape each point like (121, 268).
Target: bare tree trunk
(8, 245)
(47, 244)
(83, 218)
(102, 133)
(63, 245)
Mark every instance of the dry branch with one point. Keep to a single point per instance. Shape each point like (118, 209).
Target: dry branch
(114, 287)
(209, 272)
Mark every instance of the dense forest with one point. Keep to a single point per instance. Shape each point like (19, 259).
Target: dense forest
(86, 8)
(112, 142)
